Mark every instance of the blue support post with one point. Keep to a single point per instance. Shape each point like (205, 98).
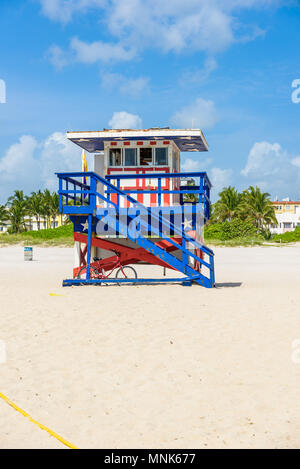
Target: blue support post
(89, 247)
(212, 271)
(118, 206)
(184, 255)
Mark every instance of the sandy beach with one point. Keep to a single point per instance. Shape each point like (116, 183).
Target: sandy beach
(152, 366)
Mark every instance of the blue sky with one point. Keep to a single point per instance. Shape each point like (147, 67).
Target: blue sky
(226, 66)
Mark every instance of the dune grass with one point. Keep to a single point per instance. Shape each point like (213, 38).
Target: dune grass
(288, 237)
(61, 236)
(236, 242)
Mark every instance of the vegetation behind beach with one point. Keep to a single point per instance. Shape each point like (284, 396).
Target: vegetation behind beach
(237, 219)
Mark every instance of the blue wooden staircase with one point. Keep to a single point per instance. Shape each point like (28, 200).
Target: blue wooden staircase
(77, 198)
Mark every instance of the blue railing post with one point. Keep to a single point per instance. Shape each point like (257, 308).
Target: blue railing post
(118, 195)
(67, 195)
(208, 203)
(201, 191)
(159, 192)
(60, 195)
(93, 190)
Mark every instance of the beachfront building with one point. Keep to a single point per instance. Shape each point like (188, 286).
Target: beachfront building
(4, 227)
(287, 214)
(31, 224)
(136, 174)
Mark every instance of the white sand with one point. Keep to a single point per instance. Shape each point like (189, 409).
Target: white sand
(159, 366)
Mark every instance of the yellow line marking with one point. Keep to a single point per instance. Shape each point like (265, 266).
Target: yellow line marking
(42, 427)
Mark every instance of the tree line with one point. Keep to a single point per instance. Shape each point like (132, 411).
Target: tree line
(20, 210)
(251, 205)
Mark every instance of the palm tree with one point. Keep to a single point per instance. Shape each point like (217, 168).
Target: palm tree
(3, 215)
(257, 207)
(35, 205)
(18, 197)
(190, 197)
(17, 219)
(47, 198)
(226, 208)
(54, 207)
(18, 209)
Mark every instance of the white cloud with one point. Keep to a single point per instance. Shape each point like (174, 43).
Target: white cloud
(200, 114)
(89, 53)
(58, 154)
(31, 165)
(125, 120)
(18, 161)
(172, 26)
(57, 57)
(272, 168)
(63, 10)
(220, 178)
(199, 75)
(264, 160)
(296, 161)
(99, 51)
(191, 164)
(133, 87)
(210, 26)
(111, 80)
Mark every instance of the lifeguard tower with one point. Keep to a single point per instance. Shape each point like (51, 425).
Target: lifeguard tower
(137, 207)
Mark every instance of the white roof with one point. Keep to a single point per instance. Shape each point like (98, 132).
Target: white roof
(185, 139)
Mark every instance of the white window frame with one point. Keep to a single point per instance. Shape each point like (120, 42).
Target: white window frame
(138, 157)
(123, 157)
(115, 166)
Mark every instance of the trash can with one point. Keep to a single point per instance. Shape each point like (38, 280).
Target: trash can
(28, 253)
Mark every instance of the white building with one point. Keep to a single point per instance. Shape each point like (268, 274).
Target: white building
(288, 216)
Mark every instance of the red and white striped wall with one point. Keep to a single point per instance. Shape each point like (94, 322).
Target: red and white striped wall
(150, 200)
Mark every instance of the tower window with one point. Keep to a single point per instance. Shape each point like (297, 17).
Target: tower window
(161, 156)
(130, 157)
(115, 157)
(145, 156)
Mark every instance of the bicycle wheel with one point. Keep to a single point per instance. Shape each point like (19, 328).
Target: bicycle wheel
(94, 274)
(126, 272)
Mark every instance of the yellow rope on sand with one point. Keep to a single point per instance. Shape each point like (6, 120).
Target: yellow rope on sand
(42, 427)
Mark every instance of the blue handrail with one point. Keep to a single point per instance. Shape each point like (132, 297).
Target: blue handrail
(202, 190)
(93, 193)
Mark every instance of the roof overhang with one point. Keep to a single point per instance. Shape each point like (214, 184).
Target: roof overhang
(185, 139)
